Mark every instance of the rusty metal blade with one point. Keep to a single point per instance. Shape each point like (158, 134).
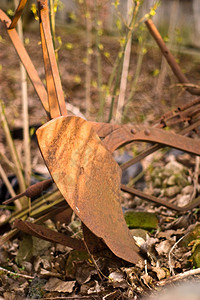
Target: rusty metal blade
(48, 234)
(89, 179)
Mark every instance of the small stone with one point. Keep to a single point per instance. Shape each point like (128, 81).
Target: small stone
(172, 191)
(156, 192)
(174, 166)
(171, 180)
(157, 182)
(183, 200)
(187, 190)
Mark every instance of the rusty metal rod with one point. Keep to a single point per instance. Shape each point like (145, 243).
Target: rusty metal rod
(17, 14)
(170, 58)
(32, 190)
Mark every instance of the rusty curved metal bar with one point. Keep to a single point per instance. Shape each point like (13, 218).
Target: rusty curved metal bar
(170, 58)
(124, 135)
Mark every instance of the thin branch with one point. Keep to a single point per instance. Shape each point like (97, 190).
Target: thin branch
(9, 164)
(27, 151)
(178, 277)
(88, 63)
(125, 69)
(13, 151)
(170, 253)
(6, 181)
(16, 274)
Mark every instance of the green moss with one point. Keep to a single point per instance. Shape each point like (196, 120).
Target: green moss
(142, 220)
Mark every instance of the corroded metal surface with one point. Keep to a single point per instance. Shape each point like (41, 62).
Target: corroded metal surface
(124, 135)
(89, 179)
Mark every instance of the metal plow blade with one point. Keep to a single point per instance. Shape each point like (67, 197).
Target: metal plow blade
(89, 179)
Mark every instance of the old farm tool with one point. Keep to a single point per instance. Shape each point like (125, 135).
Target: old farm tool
(80, 163)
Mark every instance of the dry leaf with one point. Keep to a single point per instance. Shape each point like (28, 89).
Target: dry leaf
(57, 285)
(159, 272)
(164, 247)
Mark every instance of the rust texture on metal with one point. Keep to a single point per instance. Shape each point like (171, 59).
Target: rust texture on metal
(189, 112)
(124, 135)
(82, 165)
(89, 179)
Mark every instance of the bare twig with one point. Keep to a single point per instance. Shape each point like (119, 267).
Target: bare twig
(16, 274)
(125, 68)
(88, 62)
(9, 164)
(6, 181)
(184, 85)
(196, 177)
(12, 149)
(99, 62)
(170, 253)
(171, 32)
(178, 277)
(94, 262)
(27, 151)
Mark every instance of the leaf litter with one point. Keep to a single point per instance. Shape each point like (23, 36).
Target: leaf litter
(169, 247)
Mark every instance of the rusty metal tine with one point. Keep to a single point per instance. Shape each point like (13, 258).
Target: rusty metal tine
(190, 127)
(25, 59)
(52, 64)
(156, 147)
(135, 192)
(169, 57)
(54, 108)
(48, 234)
(149, 197)
(17, 14)
(140, 156)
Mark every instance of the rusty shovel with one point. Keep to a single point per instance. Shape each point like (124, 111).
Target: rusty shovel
(79, 163)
